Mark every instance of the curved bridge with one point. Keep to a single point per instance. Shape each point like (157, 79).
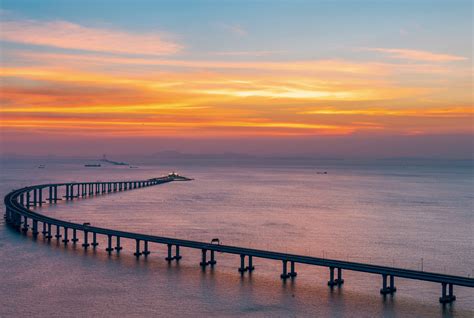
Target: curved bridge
(19, 216)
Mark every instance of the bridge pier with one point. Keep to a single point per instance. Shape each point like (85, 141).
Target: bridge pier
(118, 247)
(40, 192)
(94, 240)
(74, 236)
(284, 275)
(44, 229)
(203, 262)
(28, 200)
(50, 195)
(86, 237)
(55, 194)
(137, 251)
(447, 299)
(212, 262)
(292, 273)
(58, 233)
(65, 240)
(109, 248)
(177, 257)
(35, 229)
(338, 281)
(25, 225)
(146, 252)
(35, 197)
(48, 235)
(388, 289)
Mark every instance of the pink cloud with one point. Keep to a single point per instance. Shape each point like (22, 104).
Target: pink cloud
(407, 54)
(63, 34)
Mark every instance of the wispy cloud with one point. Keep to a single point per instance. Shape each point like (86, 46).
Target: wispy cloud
(235, 29)
(67, 35)
(247, 53)
(416, 55)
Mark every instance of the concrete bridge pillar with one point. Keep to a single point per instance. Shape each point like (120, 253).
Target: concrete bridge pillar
(94, 240)
(137, 249)
(250, 267)
(86, 243)
(50, 195)
(388, 289)
(55, 194)
(35, 229)
(25, 224)
(203, 262)
(118, 247)
(65, 240)
(331, 282)
(292, 270)
(284, 275)
(109, 248)
(48, 234)
(74, 236)
(28, 199)
(242, 269)
(44, 230)
(35, 197)
(58, 233)
(212, 262)
(447, 298)
(145, 252)
(40, 192)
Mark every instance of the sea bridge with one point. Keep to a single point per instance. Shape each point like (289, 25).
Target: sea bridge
(19, 215)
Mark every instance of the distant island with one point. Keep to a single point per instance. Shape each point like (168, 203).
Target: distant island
(116, 163)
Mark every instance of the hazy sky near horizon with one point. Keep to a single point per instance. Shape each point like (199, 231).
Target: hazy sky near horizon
(375, 78)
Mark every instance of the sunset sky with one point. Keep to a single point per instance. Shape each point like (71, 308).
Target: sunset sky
(393, 78)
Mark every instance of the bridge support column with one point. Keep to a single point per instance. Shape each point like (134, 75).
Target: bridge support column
(67, 192)
(50, 195)
(28, 199)
(35, 229)
(65, 240)
(146, 252)
(44, 230)
(250, 268)
(447, 299)
(86, 238)
(35, 197)
(292, 274)
(284, 275)
(388, 289)
(109, 248)
(339, 281)
(118, 247)
(58, 233)
(55, 194)
(137, 251)
(25, 224)
(74, 236)
(48, 235)
(40, 192)
(212, 262)
(204, 262)
(242, 268)
(94, 240)
(169, 258)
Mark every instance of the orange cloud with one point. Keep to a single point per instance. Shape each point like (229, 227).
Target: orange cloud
(417, 55)
(63, 34)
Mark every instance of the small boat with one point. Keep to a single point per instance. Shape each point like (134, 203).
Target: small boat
(133, 167)
(41, 166)
(92, 165)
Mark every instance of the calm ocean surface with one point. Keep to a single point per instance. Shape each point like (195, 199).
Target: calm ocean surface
(385, 213)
